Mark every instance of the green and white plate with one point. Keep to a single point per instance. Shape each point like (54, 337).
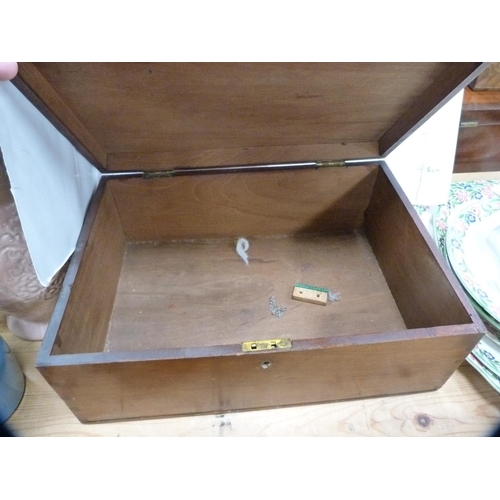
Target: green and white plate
(464, 194)
(473, 250)
(493, 380)
(461, 193)
(489, 354)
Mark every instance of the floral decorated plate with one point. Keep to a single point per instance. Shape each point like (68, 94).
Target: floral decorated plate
(490, 322)
(489, 354)
(473, 250)
(464, 194)
(487, 375)
(435, 218)
(494, 337)
(461, 193)
(492, 325)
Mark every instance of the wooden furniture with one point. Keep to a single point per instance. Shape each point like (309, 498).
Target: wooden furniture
(478, 147)
(489, 79)
(465, 406)
(156, 305)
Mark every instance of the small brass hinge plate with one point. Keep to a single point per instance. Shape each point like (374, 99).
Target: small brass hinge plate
(468, 124)
(266, 345)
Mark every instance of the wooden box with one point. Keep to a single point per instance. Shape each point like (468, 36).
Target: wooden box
(157, 306)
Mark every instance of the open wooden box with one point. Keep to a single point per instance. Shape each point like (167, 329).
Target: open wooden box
(156, 303)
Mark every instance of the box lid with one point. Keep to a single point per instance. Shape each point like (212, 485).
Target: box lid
(151, 116)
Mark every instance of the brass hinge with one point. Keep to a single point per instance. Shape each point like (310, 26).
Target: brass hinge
(266, 345)
(468, 124)
(177, 172)
(158, 174)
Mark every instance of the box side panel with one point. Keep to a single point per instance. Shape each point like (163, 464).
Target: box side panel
(422, 290)
(252, 204)
(85, 320)
(147, 389)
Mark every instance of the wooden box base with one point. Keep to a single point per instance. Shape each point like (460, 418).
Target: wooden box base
(157, 303)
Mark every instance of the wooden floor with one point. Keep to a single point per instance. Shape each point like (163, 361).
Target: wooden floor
(465, 406)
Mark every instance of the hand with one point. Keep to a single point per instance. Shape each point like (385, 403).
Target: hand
(8, 70)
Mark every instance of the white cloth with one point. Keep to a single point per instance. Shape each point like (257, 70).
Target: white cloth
(51, 182)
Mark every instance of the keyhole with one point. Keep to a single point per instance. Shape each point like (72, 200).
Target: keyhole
(266, 364)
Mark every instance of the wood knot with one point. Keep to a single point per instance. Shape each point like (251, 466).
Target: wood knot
(423, 421)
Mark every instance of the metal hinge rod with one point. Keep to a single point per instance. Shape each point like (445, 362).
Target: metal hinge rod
(176, 172)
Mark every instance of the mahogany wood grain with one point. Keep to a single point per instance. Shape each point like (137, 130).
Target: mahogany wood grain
(489, 79)
(178, 113)
(32, 83)
(480, 108)
(181, 107)
(480, 118)
(160, 160)
(465, 406)
(142, 379)
(480, 101)
(453, 78)
(425, 291)
(85, 318)
(478, 147)
(145, 389)
(201, 293)
(253, 204)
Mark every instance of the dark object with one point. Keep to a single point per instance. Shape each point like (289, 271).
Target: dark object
(5, 431)
(12, 383)
(495, 432)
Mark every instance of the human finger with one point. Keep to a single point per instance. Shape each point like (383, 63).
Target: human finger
(8, 70)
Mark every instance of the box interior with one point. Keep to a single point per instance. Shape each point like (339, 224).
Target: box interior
(160, 270)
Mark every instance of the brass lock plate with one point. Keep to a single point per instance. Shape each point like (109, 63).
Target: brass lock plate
(266, 345)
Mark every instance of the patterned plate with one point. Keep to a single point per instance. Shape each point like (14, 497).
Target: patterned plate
(464, 194)
(490, 322)
(473, 249)
(460, 193)
(489, 354)
(492, 325)
(487, 375)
